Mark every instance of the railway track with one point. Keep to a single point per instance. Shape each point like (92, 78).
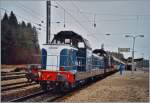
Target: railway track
(50, 98)
(14, 76)
(9, 77)
(12, 73)
(34, 95)
(21, 85)
(54, 97)
(4, 85)
(13, 94)
(27, 97)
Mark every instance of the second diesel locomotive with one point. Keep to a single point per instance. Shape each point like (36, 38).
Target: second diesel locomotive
(69, 61)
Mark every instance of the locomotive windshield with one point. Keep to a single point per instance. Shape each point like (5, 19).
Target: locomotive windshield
(65, 41)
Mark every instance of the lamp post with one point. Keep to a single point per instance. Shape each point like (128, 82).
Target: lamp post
(134, 37)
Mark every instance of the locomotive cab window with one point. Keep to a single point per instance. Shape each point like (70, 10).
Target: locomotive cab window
(67, 41)
(81, 45)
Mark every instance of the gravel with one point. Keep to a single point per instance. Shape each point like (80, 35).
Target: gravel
(13, 81)
(115, 88)
(15, 93)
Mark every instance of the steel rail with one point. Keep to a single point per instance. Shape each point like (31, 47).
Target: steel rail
(23, 98)
(5, 85)
(12, 77)
(12, 73)
(15, 87)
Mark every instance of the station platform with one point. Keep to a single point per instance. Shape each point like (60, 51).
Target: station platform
(116, 88)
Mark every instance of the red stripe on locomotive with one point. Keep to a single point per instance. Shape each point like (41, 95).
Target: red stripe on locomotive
(52, 76)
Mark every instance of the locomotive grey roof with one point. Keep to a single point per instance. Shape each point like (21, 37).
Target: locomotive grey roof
(75, 38)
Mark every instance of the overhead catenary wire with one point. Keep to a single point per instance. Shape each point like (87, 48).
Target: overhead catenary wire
(108, 14)
(21, 16)
(74, 18)
(130, 15)
(77, 21)
(113, 20)
(134, 17)
(5, 10)
(107, 20)
(36, 13)
(78, 9)
(25, 9)
(81, 13)
(92, 13)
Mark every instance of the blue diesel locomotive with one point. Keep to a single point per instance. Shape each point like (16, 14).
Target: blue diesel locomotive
(69, 60)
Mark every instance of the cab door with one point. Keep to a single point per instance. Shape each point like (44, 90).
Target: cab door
(44, 58)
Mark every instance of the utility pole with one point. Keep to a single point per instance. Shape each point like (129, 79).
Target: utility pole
(133, 66)
(134, 37)
(48, 26)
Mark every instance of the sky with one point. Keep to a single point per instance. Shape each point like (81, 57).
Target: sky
(115, 17)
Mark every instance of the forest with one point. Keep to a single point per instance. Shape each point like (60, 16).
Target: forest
(19, 41)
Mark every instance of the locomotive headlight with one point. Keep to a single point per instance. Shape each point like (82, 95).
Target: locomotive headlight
(39, 66)
(68, 76)
(30, 71)
(58, 74)
(39, 73)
